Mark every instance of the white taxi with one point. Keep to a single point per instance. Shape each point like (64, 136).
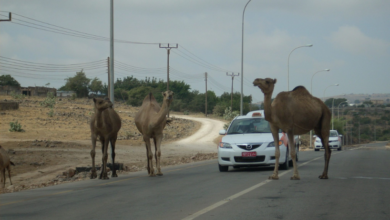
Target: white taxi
(249, 142)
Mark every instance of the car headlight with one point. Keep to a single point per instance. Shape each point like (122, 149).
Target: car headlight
(272, 144)
(225, 145)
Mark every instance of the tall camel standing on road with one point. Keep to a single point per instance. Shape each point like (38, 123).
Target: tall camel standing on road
(295, 112)
(5, 164)
(150, 121)
(105, 124)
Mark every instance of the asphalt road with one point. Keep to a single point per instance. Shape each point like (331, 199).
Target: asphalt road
(358, 188)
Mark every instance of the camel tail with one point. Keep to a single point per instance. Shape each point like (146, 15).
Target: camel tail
(12, 163)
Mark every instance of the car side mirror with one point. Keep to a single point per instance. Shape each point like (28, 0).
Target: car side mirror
(222, 132)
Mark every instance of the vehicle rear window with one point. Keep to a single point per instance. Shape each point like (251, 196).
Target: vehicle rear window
(249, 125)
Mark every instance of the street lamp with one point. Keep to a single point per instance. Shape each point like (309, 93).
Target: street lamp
(242, 60)
(311, 86)
(332, 102)
(328, 87)
(288, 65)
(338, 114)
(311, 92)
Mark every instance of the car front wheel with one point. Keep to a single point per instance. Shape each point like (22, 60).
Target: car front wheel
(285, 166)
(223, 168)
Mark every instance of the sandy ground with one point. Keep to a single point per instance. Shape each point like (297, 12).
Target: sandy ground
(50, 148)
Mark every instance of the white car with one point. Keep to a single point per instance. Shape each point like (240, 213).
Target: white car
(249, 142)
(334, 141)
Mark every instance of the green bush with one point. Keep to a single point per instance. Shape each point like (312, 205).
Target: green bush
(50, 113)
(74, 96)
(229, 115)
(17, 95)
(15, 126)
(50, 100)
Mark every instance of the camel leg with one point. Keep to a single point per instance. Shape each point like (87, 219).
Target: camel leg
(3, 176)
(275, 135)
(157, 144)
(103, 173)
(9, 173)
(93, 153)
(113, 140)
(149, 156)
(328, 152)
(291, 146)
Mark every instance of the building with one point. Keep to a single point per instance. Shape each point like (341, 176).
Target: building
(65, 93)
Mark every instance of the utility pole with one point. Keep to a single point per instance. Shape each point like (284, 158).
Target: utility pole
(168, 52)
(108, 74)
(112, 52)
(205, 75)
(231, 94)
(9, 17)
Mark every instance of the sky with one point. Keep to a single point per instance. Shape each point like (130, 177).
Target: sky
(349, 37)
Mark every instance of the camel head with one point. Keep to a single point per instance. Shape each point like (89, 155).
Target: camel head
(266, 85)
(168, 97)
(102, 104)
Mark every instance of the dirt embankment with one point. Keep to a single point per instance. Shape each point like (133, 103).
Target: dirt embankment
(52, 145)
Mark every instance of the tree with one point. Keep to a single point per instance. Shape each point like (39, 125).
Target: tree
(329, 102)
(96, 85)
(8, 80)
(79, 84)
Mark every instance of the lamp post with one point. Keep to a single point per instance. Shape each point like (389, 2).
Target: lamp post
(333, 100)
(338, 114)
(311, 92)
(328, 87)
(288, 64)
(242, 60)
(311, 86)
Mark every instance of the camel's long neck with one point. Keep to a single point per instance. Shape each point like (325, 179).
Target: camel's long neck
(161, 115)
(99, 119)
(267, 107)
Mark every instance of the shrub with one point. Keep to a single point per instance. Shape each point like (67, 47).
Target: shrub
(229, 115)
(15, 126)
(50, 100)
(73, 97)
(17, 95)
(50, 113)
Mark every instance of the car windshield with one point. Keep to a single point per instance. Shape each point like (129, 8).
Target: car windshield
(333, 134)
(249, 125)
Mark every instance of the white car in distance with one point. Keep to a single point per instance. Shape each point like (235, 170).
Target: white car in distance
(248, 142)
(334, 141)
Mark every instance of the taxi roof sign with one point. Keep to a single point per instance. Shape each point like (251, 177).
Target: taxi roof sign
(256, 114)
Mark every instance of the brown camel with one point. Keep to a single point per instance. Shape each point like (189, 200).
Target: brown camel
(295, 112)
(5, 163)
(150, 121)
(105, 124)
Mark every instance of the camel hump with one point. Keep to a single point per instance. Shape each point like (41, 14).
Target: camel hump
(300, 89)
(149, 98)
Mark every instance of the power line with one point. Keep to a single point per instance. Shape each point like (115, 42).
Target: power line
(67, 31)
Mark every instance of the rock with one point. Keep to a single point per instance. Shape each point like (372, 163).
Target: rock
(71, 172)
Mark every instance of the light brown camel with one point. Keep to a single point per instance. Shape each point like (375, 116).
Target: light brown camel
(295, 112)
(105, 124)
(150, 121)
(5, 163)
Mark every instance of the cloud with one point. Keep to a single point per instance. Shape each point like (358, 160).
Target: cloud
(352, 40)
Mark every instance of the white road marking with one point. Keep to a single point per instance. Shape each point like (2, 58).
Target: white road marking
(224, 201)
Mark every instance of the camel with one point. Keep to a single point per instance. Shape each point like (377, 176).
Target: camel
(151, 121)
(295, 112)
(5, 163)
(105, 124)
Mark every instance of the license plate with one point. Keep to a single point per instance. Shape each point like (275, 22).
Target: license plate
(249, 154)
